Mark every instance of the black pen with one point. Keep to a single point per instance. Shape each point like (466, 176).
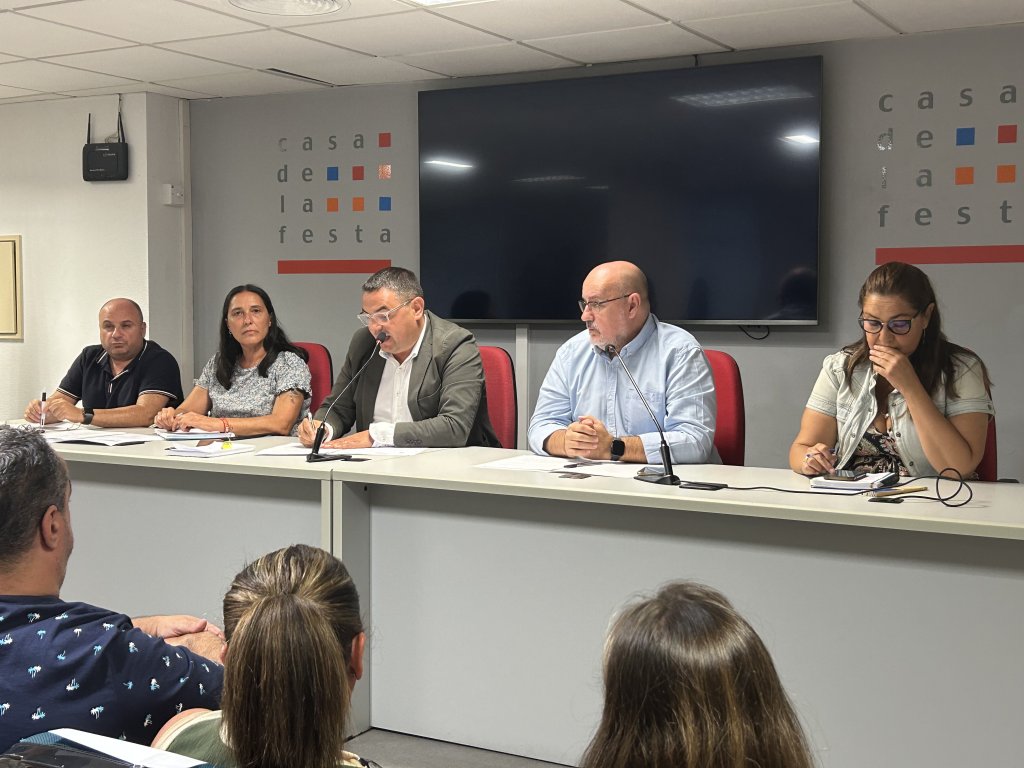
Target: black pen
(42, 410)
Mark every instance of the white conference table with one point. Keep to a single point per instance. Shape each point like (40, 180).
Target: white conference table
(897, 629)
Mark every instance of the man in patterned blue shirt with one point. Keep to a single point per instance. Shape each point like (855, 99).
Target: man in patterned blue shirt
(72, 665)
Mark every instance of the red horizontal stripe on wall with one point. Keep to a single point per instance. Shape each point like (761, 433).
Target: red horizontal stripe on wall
(331, 266)
(952, 254)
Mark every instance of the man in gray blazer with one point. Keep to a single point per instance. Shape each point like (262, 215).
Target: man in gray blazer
(424, 388)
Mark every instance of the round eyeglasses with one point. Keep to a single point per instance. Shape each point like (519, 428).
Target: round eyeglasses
(900, 325)
(595, 306)
(379, 318)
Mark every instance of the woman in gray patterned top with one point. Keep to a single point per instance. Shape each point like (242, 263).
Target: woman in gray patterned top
(258, 383)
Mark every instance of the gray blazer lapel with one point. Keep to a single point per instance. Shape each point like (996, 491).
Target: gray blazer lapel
(421, 366)
(366, 390)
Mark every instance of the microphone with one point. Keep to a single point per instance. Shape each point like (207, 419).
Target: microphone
(665, 477)
(321, 431)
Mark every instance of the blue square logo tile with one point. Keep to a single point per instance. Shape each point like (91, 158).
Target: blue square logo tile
(384, 204)
(965, 137)
(332, 173)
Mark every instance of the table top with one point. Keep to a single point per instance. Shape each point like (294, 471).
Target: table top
(996, 511)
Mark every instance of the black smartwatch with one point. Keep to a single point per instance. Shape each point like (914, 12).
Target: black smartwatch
(618, 449)
(87, 417)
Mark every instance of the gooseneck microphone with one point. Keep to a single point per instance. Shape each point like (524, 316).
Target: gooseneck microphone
(321, 431)
(665, 477)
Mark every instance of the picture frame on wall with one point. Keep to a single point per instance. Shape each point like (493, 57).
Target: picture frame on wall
(12, 311)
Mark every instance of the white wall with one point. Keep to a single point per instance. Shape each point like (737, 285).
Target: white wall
(86, 242)
(237, 215)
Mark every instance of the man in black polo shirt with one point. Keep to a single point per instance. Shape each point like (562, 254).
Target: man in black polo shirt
(122, 382)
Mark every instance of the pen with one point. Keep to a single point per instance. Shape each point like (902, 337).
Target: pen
(42, 410)
(902, 489)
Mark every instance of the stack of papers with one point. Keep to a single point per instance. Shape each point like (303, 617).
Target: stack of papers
(92, 436)
(207, 449)
(193, 434)
(866, 483)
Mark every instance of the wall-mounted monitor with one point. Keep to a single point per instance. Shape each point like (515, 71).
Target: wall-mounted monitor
(706, 177)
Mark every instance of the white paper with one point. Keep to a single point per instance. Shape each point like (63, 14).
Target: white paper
(192, 434)
(211, 451)
(298, 449)
(533, 463)
(869, 481)
(136, 754)
(97, 436)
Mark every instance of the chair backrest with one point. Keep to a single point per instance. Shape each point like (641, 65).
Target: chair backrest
(731, 419)
(987, 467)
(500, 383)
(321, 367)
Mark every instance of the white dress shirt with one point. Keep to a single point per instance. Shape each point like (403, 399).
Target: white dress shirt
(392, 404)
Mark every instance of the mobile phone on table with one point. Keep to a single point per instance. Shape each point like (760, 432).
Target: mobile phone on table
(846, 474)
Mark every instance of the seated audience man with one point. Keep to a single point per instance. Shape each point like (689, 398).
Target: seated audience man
(425, 387)
(587, 406)
(69, 664)
(121, 382)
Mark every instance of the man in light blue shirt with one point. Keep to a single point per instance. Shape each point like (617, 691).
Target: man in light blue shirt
(588, 408)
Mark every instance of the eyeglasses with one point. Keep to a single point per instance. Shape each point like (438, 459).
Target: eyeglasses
(900, 326)
(379, 318)
(595, 306)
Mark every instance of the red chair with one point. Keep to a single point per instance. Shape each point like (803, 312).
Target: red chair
(321, 367)
(500, 385)
(987, 468)
(731, 419)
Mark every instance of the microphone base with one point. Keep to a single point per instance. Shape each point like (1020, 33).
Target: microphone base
(314, 457)
(658, 479)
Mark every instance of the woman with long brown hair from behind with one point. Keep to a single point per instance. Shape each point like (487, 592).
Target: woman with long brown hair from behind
(689, 684)
(293, 653)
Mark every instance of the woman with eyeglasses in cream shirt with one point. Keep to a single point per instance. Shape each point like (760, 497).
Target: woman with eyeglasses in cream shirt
(902, 398)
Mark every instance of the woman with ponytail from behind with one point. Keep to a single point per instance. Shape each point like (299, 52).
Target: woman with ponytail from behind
(293, 654)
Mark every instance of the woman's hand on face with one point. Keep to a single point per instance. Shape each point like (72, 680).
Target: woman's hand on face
(893, 365)
(165, 419)
(819, 460)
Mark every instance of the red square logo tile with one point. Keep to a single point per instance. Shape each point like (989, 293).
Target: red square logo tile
(358, 172)
(384, 139)
(1007, 134)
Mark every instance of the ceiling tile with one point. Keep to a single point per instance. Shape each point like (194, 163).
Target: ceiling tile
(931, 15)
(267, 48)
(177, 93)
(9, 92)
(241, 84)
(792, 27)
(32, 38)
(43, 76)
(161, 20)
(5, 58)
(369, 69)
(521, 19)
(398, 34)
(653, 42)
(357, 10)
(144, 63)
(687, 10)
(488, 60)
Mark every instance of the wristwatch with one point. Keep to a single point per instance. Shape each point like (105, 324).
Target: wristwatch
(87, 417)
(618, 449)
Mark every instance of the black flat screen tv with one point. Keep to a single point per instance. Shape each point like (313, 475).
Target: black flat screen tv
(706, 177)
